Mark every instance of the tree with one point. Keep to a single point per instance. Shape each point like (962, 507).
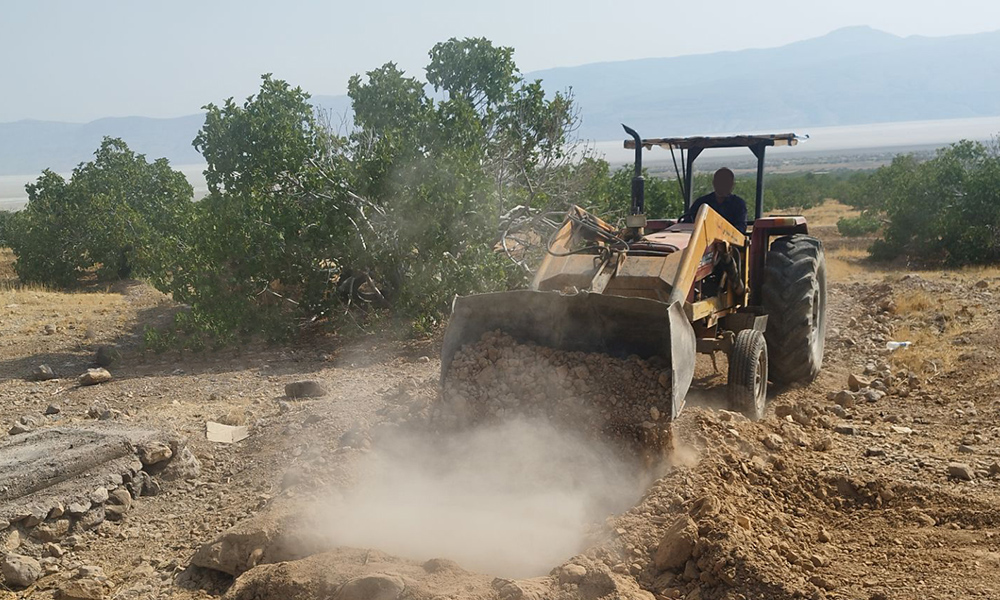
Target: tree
(273, 220)
(118, 214)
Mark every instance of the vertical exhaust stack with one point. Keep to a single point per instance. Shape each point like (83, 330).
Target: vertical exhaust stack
(636, 219)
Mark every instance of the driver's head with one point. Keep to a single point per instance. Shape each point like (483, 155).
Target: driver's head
(723, 182)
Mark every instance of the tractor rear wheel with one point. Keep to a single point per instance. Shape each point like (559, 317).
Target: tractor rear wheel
(794, 299)
(747, 385)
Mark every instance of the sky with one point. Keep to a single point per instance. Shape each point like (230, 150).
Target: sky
(73, 60)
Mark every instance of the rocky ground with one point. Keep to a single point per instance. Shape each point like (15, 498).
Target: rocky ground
(878, 481)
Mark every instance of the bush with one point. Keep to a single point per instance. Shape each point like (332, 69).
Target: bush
(859, 226)
(946, 209)
(118, 215)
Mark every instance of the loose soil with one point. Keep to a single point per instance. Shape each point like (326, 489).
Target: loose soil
(889, 491)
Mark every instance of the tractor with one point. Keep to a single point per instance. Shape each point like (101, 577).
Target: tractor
(656, 287)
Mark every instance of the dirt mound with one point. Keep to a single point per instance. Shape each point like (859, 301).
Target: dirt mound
(623, 400)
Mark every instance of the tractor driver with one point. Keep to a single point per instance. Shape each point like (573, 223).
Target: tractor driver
(722, 200)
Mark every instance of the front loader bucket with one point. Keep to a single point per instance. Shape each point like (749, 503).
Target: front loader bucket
(585, 322)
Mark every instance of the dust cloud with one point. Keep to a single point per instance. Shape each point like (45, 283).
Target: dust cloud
(512, 500)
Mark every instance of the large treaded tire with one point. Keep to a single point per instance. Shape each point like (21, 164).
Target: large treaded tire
(794, 299)
(747, 385)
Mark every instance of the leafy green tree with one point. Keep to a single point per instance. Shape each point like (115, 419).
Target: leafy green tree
(118, 214)
(944, 209)
(262, 235)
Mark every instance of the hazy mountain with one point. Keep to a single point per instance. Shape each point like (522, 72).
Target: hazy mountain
(851, 76)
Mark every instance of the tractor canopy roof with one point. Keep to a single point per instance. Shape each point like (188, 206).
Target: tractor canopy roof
(730, 141)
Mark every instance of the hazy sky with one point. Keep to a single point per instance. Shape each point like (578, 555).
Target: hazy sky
(76, 60)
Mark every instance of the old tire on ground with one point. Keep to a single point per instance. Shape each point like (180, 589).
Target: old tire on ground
(794, 299)
(747, 386)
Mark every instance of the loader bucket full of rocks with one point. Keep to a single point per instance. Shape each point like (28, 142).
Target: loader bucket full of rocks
(624, 401)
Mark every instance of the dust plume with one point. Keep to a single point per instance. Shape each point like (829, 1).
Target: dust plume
(511, 500)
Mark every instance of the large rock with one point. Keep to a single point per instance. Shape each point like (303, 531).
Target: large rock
(20, 571)
(81, 589)
(43, 373)
(51, 531)
(277, 535)
(95, 376)
(184, 465)
(961, 471)
(677, 544)
(152, 453)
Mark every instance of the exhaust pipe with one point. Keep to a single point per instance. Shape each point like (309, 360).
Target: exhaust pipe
(638, 181)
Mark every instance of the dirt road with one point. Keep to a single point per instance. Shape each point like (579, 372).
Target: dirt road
(886, 491)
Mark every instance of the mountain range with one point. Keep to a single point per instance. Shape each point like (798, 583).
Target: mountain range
(850, 76)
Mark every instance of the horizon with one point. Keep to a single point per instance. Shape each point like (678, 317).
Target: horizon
(200, 54)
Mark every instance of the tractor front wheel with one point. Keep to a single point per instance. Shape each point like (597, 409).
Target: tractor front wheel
(794, 299)
(747, 384)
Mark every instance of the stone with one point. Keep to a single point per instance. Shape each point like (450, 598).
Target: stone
(49, 329)
(95, 376)
(53, 409)
(824, 536)
(52, 549)
(89, 572)
(743, 521)
(151, 487)
(184, 465)
(56, 511)
(822, 582)
(152, 453)
(51, 531)
(964, 449)
(98, 496)
(773, 441)
(844, 399)
(379, 586)
(115, 512)
(960, 471)
(78, 508)
(81, 589)
(572, 573)
(902, 430)
(20, 571)
(872, 395)
(18, 429)
(43, 373)
(91, 519)
(120, 497)
(677, 544)
(846, 430)
(856, 382)
(691, 571)
(11, 538)
(305, 389)
(874, 452)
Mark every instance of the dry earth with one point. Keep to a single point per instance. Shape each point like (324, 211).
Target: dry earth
(885, 491)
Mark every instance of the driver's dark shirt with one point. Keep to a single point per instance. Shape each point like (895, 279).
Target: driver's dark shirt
(732, 208)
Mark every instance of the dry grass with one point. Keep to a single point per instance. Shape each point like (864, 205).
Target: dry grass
(828, 213)
(915, 302)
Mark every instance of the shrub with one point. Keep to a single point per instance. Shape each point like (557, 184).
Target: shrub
(118, 214)
(859, 226)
